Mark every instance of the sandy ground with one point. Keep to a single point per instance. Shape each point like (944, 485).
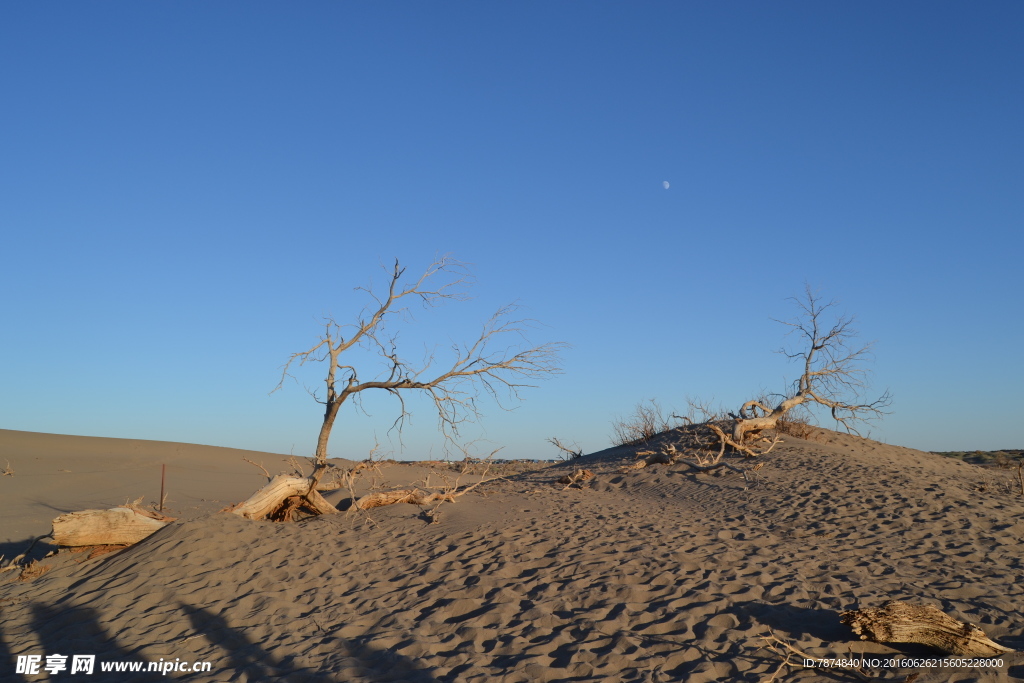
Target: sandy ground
(655, 575)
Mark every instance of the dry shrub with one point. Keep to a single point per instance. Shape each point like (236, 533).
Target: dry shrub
(647, 421)
(34, 570)
(795, 425)
(699, 411)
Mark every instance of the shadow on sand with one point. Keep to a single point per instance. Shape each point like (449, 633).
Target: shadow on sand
(35, 547)
(257, 664)
(74, 630)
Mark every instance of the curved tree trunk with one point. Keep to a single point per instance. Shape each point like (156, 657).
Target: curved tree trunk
(747, 425)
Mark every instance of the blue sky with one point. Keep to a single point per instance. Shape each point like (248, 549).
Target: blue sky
(186, 187)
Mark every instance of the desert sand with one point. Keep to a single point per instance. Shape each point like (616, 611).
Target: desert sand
(655, 575)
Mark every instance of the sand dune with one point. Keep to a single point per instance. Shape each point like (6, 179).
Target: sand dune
(656, 575)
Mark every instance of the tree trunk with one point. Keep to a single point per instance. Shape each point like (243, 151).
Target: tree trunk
(745, 426)
(899, 622)
(274, 498)
(117, 526)
(330, 415)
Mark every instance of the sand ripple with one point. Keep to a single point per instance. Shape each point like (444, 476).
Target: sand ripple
(652, 576)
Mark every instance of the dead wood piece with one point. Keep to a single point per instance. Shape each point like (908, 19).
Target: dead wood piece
(152, 514)
(666, 456)
(272, 501)
(413, 496)
(901, 622)
(577, 476)
(117, 526)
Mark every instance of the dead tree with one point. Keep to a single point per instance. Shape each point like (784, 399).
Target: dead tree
(833, 373)
(488, 365)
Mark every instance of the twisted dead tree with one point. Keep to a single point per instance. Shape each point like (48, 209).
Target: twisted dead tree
(834, 373)
(486, 367)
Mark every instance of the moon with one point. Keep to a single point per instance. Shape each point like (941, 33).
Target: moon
(665, 184)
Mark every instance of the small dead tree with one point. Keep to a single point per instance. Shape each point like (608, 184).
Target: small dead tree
(566, 452)
(487, 366)
(833, 374)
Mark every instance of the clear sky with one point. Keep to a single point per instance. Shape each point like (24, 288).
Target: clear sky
(186, 187)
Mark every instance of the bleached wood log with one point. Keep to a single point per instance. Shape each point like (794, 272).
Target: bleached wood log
(117, 526)
(274, 498)
(413, 496)
(900, 622)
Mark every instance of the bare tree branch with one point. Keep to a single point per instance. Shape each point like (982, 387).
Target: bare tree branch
(569, 452)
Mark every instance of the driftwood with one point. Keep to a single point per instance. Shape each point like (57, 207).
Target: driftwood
(900, 622)
(117, 526)
(416, 496)
(412, 496)
(576, 478)
(280, 498)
